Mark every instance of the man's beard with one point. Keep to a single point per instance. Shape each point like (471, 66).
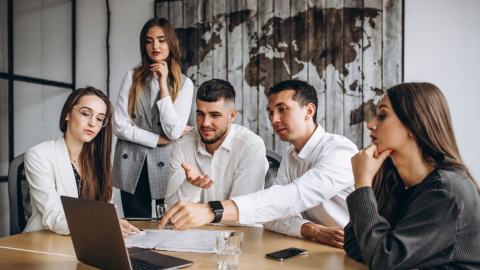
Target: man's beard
(215, 138)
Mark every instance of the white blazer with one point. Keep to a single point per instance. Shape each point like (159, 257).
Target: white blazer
(50, 175)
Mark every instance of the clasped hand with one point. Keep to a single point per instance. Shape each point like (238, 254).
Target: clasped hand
(366, 163)
(195, 178)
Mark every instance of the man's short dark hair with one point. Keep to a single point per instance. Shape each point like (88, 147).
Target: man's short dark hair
(305, 93)
(216, 90)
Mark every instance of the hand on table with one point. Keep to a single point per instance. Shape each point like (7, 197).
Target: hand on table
(328, 235)
(127, 228)
(185, 215)
(366, 163)
(195, 178)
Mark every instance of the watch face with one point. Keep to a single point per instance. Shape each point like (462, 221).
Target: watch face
(216, 205)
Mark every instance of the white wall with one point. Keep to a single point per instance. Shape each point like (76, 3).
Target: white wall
(443, 47)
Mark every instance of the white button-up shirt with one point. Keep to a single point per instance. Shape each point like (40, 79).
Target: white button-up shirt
(311, 186)
(173, 116)
(238, 167)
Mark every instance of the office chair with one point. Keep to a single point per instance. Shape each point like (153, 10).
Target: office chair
(19, 196)
(274, 159)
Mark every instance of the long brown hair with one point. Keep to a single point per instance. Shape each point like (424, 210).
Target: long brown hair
(141, 72)
(95, 157)
(423, 109)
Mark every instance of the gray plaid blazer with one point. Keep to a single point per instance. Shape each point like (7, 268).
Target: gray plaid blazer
(129, 157)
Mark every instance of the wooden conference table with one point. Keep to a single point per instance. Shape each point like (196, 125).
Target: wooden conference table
(46, 250)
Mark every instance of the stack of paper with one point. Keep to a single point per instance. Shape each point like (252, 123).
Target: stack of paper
(170, 240)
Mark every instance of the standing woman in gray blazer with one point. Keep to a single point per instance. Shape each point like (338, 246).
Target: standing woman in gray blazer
(415, 205)
(151, 112)
(78, 164)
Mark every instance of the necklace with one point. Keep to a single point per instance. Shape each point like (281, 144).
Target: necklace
(421, 177)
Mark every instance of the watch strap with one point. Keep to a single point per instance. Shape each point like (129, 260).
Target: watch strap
(217, 209)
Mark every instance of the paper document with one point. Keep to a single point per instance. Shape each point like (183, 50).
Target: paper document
(200, 241)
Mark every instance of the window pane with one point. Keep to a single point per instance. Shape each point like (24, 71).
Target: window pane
(42, 39)
(3, 127)
(3, 36)
(36, 114)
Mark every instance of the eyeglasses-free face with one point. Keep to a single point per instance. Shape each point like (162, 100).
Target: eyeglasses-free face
(87, 114)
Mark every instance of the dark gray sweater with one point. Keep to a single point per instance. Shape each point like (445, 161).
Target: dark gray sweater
(438, 228)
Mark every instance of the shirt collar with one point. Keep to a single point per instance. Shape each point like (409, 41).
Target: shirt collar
(227, 143)
(311, 144)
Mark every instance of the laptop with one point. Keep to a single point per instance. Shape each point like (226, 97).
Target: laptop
(98, 241)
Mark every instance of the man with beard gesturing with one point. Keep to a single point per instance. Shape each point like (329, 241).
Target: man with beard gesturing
(221, 160)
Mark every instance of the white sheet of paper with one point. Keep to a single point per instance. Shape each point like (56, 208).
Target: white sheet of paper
(200, 241)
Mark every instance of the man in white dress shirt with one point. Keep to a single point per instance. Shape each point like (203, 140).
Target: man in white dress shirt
(308, 198)
(221, 160)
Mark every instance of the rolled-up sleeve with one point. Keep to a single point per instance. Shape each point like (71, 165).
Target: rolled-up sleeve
(122, 127)
(174, 116)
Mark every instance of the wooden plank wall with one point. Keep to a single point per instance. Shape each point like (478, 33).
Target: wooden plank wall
(349, 50)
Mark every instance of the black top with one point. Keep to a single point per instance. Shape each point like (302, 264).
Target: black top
(77, 180)
(401, 197)
(438, 227)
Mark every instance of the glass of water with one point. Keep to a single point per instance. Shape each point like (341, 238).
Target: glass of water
(229, 249)
(162, 209)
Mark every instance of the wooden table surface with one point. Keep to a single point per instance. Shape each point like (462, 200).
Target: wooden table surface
(52, 251)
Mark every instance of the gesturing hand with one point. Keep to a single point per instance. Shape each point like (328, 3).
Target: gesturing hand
(366, 163)
(161, 68)
(195, 178)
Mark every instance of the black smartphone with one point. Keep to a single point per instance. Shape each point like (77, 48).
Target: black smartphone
(286, 254)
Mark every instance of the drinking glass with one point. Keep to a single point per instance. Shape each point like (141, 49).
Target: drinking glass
(229, 249)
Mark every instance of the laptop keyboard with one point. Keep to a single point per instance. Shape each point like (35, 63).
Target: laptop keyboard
(143, 265)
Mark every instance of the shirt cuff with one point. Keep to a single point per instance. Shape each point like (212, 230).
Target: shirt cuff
(189, 189)
(165, 105)
(296, 227)
(246, 209)
(146, 138)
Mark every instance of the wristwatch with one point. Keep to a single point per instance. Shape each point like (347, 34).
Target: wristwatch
(217, 209)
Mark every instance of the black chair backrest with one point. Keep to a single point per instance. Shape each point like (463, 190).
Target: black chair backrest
(19, 196)
(274, 160)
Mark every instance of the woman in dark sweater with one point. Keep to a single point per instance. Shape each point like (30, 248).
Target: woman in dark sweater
(415, 204)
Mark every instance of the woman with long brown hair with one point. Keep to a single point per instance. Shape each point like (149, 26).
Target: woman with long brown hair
(152, 111)
(78, 164)
(415, 205)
